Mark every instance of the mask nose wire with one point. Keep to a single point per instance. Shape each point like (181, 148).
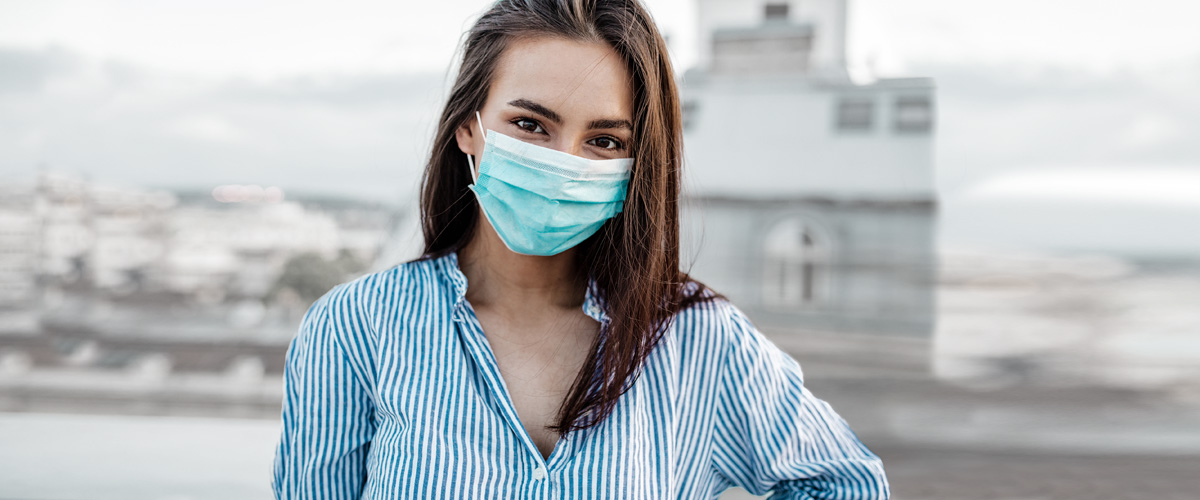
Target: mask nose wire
(471, 161)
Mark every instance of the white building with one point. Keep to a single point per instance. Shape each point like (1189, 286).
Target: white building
(64, 214)
(129, 228)
(18, 251)
(730, 21)
(66, 231)
(810, 198)
(242, 248)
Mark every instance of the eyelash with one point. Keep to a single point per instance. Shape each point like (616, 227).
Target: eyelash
(620, 145)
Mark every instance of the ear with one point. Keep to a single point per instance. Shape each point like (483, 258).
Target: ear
(465, 136)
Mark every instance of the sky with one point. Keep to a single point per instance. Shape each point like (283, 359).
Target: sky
(274, 38)
(340, 96)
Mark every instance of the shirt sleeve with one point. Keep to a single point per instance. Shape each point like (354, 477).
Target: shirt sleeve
(773, 434)
(328, 414)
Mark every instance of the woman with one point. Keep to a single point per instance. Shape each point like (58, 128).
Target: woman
(547, 344)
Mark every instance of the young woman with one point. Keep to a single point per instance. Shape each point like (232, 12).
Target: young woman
(547, 344)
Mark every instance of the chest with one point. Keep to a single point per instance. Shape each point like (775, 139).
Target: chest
(442, 420)
(539, 362)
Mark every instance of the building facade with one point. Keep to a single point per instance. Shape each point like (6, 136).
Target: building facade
(810, 198)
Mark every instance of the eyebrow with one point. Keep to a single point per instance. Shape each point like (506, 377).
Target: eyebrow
(625, 124)
(556, 118)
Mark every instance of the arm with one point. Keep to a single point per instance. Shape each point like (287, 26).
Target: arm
(772, 434)
(327, 413)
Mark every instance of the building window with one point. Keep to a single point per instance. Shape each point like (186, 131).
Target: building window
(855, 113)
(689, 109)
(775, 11)
(796, 265)
(913, 114)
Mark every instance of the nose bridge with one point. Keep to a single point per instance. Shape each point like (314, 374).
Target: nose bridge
(570, 142)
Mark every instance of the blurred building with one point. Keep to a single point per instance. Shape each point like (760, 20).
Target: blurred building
(18, 257)
(241, 249)
(96, 236)
(62, 207)
(100, 236)
(810, 197)
(149, 300)
(107, 239)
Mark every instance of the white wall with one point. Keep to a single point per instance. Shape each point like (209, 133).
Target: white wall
(778, 137)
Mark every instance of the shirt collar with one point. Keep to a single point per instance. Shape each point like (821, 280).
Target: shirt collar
(447, 264)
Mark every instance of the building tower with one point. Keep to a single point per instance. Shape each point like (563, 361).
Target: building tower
(818, 28)
(809, 198)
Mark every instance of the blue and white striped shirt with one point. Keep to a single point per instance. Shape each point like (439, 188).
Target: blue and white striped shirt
(392, 391)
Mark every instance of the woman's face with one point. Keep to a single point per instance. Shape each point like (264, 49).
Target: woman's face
(561, 94)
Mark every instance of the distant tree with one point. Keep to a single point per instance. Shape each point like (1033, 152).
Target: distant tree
(349, 263)
(309, 276)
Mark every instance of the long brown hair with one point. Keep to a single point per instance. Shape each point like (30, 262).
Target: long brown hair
(634, 257)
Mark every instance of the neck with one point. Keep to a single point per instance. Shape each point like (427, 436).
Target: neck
(498, 278)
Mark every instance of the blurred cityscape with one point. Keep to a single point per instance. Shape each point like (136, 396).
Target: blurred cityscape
(131, 299)
(121, 306)
(976, 372)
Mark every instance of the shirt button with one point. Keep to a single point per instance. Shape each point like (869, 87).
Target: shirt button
(539, 473)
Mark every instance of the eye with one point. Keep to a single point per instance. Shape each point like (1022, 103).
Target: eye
(529, 125)
(608, 143)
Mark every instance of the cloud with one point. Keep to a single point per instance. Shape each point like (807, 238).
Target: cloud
(29, 70)
(1142, 211)
(1159, 187)
(372, 89)
(362, 135)
(994, 119)
(1151, 130)
(210, 128)
(1076, 33)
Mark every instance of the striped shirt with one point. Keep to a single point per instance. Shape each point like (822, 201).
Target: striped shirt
(391, 391)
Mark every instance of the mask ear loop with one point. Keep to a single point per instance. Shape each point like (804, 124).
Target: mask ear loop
(470, 161)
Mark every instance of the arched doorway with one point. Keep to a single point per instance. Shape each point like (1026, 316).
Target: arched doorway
(795, 264)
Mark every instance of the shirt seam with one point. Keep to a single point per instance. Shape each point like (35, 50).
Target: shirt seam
(345, 354)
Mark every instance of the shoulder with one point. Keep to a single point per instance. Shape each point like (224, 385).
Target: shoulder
(719, 330)
(370, 290)
(352, 308)
(350, 317)
(710, 313)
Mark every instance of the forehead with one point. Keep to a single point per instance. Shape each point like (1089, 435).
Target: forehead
(568, 76)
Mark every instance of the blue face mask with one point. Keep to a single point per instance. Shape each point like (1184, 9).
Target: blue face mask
(542, 201)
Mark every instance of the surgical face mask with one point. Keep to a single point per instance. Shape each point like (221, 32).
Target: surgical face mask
(542, 201)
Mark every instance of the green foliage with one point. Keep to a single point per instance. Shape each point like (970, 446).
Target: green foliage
(310, 276)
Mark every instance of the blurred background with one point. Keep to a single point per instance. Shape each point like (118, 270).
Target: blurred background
(975, 224)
